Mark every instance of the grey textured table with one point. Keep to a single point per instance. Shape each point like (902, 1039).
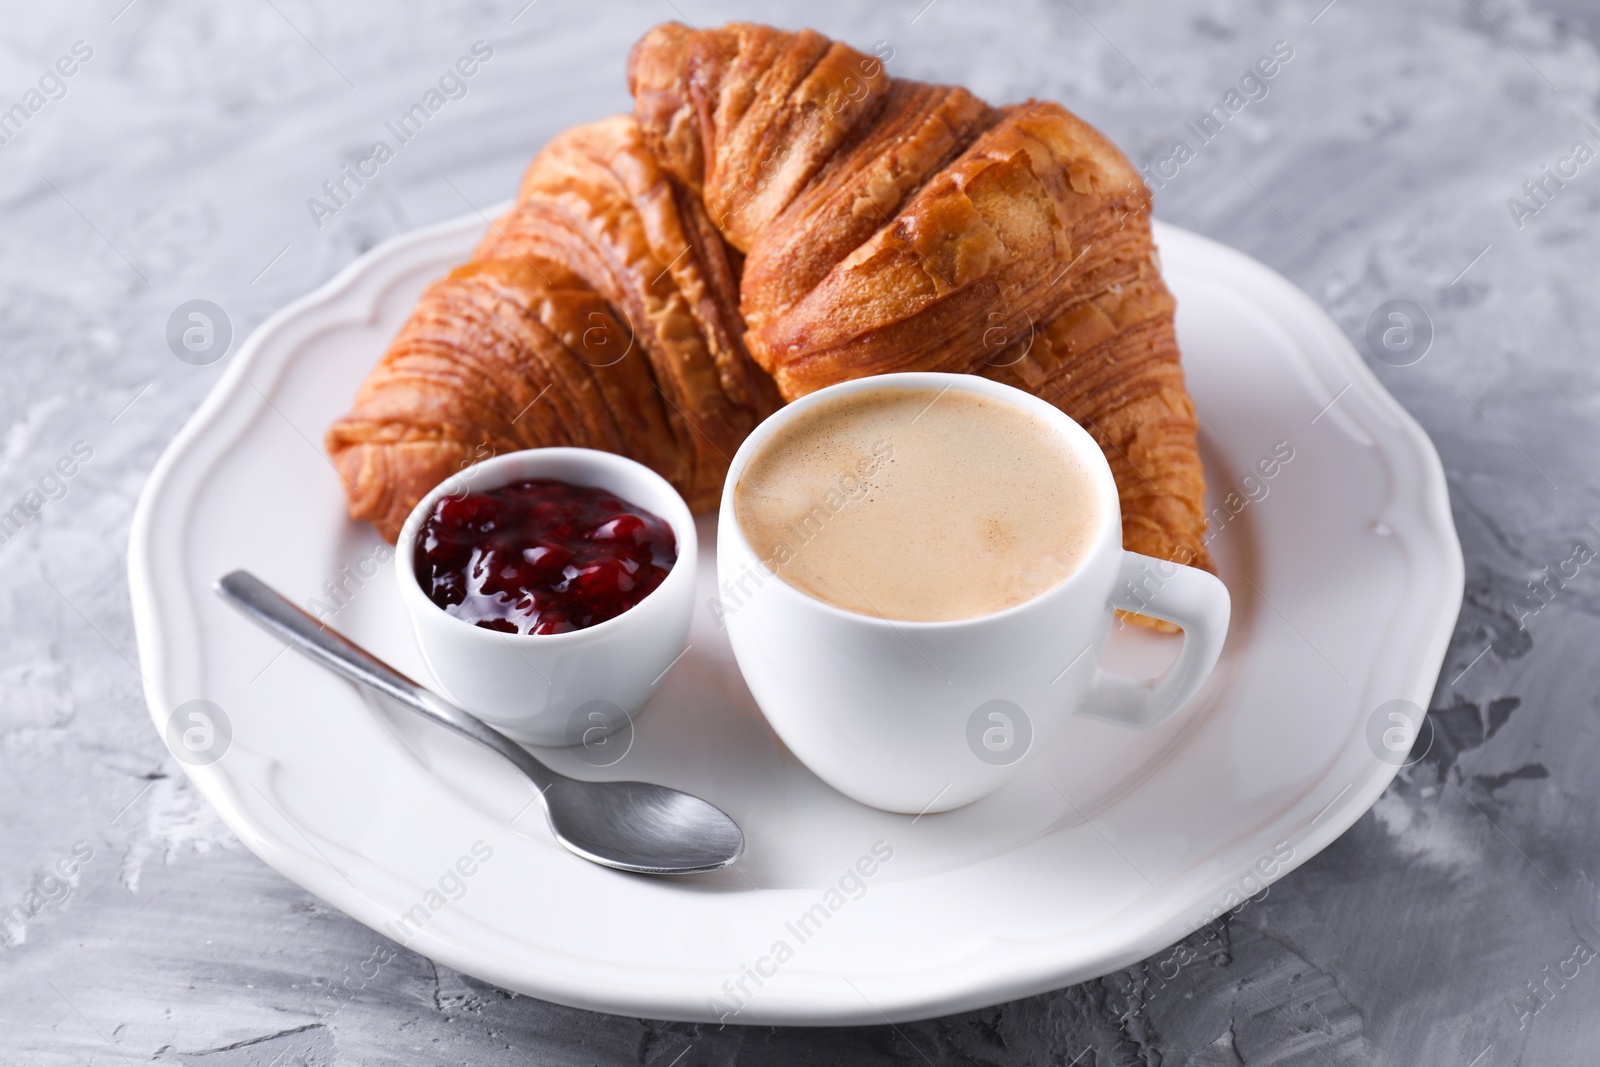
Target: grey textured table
(1387, 159)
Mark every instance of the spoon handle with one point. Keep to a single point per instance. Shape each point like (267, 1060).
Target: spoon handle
(333, 650)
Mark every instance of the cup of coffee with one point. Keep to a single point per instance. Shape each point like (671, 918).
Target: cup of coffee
(919, 573)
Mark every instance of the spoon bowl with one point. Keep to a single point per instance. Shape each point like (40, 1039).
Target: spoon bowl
(635, 826)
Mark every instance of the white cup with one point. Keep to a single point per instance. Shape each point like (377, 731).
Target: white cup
(927, 716)
(558, 689)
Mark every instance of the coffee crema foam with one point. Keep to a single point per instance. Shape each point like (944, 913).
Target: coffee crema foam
(917, 504)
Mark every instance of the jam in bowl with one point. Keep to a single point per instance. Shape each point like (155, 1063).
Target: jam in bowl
(541, 556)
(550, 590)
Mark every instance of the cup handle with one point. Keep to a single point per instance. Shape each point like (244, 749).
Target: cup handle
(1186, 596)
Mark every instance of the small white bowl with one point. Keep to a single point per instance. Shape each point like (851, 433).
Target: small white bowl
(558, 689)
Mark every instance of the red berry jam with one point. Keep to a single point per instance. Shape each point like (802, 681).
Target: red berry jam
(541, 556)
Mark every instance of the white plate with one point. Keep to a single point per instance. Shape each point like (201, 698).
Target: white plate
(1346, 578)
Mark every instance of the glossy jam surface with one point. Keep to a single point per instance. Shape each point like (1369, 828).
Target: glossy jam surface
(541, 556)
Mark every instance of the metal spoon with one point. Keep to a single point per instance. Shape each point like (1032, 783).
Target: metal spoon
(632, 826)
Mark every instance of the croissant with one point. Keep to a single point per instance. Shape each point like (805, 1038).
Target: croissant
(890, 225)
(601, 310)
(779, 215)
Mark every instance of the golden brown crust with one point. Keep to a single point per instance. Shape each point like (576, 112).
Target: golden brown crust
(779, 215)
(890, 225)
(601, 311)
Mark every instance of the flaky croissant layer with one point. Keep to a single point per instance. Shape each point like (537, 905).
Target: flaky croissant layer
(777, 216)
